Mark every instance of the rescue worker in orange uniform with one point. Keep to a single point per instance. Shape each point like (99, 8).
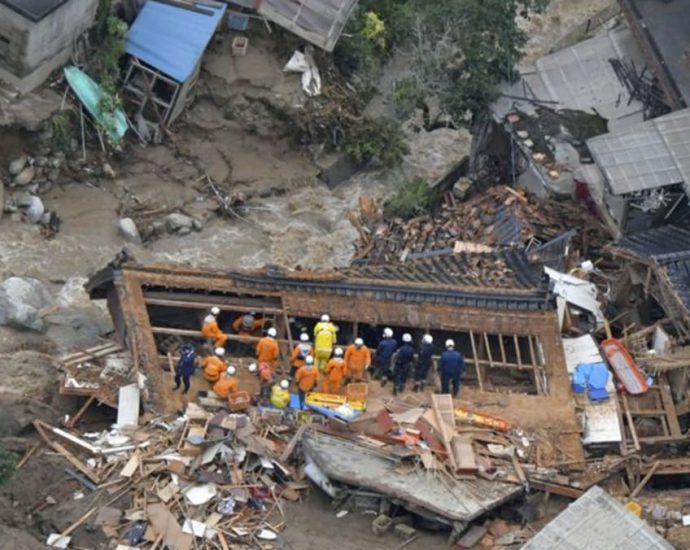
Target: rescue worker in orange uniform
(247, 325)
(214, 365)
(211, 330)
(335, 372)
(300, 353)
(357, 360)
(307, 376)
(267, 349)
(227, 383)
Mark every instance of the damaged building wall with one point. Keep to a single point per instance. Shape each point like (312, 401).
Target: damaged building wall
(33, 44)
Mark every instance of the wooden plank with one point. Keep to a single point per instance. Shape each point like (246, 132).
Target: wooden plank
(476, 362)
(188, 304)
(503, 350)
(197, 334)
(73, 460)
(628, 416)
(293, 443)
(645, 480)
(670, 411)
(488, 349)
(75, 419)
(517, 350)
(131, 467)
(463, 453)
(556, 489)
(442, 406)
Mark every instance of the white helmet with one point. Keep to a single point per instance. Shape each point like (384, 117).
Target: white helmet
(309, 360)
(219, 352)
(231, 371)
(359, 342)
(325, 318)
(338, 352)
(252, 368)
(215, 310)
(284, 384)
(428, 339)
(304, 337)
(450, 343)
(407, 337)
(272, 332)
(388, 332)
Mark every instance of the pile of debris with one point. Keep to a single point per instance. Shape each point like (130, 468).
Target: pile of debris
(500, 217)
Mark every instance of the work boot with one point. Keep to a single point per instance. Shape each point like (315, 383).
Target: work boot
(395, 390)
(384, 381)
(176, 387)
(416, 387)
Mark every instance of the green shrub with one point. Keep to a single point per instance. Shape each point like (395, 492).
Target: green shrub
(379, 138)
(8, 465)
(414, 197)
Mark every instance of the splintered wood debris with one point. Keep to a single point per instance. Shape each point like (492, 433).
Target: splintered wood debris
(500, 216)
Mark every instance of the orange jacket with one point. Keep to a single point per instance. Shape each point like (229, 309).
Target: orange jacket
(356, 360)
(335, 369)
(225, 386)
(239, 328)
(267, 351)
(211, 331)
(213, 367)
(298, 356)
(306, 378)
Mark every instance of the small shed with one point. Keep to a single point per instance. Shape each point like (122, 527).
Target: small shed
(166, 44)
(320, 22)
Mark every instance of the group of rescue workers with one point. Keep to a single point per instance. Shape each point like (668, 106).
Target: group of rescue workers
(323, 360)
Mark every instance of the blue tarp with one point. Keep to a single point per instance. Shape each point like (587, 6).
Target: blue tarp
(594, 377)
(170, 39)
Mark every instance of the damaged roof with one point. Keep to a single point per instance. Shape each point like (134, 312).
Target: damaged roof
(320, 22)
(173, 39)
(418, 491)
(498, 280)
(596, 520)
(665, 28)
(654, 154)
(667, 247)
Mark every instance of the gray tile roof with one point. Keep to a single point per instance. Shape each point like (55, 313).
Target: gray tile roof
(596, 521)
(654, 154)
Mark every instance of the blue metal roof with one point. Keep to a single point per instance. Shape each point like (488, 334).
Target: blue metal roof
(172, 39)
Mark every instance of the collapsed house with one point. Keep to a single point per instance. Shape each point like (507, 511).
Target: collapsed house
(165, 45)
(660, 29)
(37, 37)
(642, 176)
(497, 307)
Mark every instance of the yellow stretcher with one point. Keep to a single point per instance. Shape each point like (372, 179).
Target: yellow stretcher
(332, 401)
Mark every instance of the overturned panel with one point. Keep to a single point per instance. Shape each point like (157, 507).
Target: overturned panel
(422, 492)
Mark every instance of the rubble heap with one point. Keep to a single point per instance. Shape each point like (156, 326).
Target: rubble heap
(499, 217)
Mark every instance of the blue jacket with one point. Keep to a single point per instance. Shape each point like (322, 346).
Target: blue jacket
(405, 355)
(385, 351)
(425, 355)
(186, 364)
(451, 363)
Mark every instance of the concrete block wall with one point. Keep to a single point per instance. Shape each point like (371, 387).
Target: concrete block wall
(30, 51)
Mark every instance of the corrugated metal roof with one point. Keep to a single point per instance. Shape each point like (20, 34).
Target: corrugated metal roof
(596, 521)
(654, 154)
(320, 22)
(172, 40)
